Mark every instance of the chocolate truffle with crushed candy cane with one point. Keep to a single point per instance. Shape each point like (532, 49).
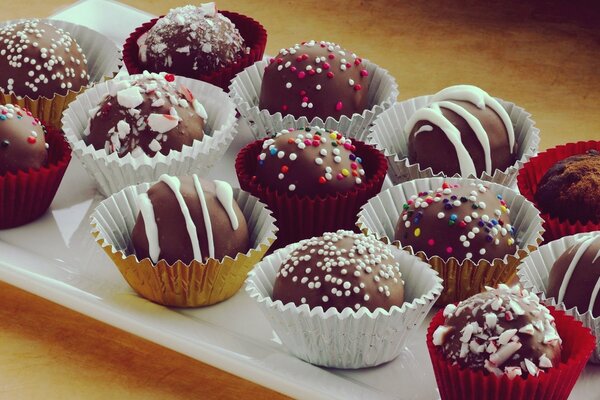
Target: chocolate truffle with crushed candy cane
(146, 114)
(340, 269)
(500, 331)
(310, 161)
(466, 221)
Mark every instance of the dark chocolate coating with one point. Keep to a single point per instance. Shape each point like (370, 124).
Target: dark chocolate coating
(363, 274)
(336, 85)
(110, 112)
(498, 317)
(585, 276)
(188, 42)
(570, 189)
(174, 240)
(30, 66)
(444, 226)
(311, 161)
(22, 142)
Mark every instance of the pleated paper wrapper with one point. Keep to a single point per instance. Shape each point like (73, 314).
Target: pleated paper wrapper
(104, 62)
(456, 383)
(347, 339)
(389, 136)
(245, 92)
(26, 195)
(534, 272)
(532, 172)
(113, 173)
(179, 284)
(462, 278)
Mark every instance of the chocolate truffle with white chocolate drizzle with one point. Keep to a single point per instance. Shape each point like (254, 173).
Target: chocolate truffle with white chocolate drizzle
(189, 219)
(462, 131)
(340, 269)
(146, 114)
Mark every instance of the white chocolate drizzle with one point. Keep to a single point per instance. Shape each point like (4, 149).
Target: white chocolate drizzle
(147, 210)
(585, 244)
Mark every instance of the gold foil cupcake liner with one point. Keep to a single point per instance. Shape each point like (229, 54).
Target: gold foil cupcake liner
(462, 278)
(179, 284)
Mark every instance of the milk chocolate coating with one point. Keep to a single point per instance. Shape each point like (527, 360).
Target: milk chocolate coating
(37, 59)
(174, 240)
(315, 79)
(584, 276)
(454, 224)
(22, 142)
(311, 161)
(363, 274)
(570, 189)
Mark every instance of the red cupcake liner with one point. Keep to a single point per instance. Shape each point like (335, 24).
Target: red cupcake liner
(555, 383)
(26, 195)
(532, 172)
(255, 38)
(302, 217)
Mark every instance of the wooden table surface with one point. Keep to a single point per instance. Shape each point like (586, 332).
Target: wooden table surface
(543, 57)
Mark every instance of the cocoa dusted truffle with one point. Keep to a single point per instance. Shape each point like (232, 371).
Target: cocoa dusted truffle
(22, 142)
(146, 114)
(500, 331)
(340, 269)
(189, 219)
(315, 79)
(310, 161)
(37, 59)
(191, 40)
(570, 189)
(462, 131)
(466, 221)
(575, 276)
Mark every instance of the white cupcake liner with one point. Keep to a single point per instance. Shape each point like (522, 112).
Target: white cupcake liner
(245, 92)
(533, 274)
(113, 173)
(387, 134)
(348, 339)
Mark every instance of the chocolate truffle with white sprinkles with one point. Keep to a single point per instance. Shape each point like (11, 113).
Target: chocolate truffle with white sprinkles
(37, 59)
(315, 79)
(500, 331)
(466, 221)
(146, 114)
(340, 269)
(310, 161)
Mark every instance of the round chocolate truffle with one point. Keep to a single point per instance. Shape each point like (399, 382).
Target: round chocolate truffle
(37, 59)
(340, 269)
(189, 219)
(570, 189)
(315, 79)
(311, 161)
(500, 331)
(466, 221)
(191, 40)
(462, 131)
(22, 142)
(575, 276)
(146, 114)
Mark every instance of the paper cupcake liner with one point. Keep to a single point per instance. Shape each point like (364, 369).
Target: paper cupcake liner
(532, 172)
(113, 173)
(104, 62)
(302, 217)
(179, 284)
(534, 272)
(346, 339)
(245, 92)
(554, 383)
(387, 134)
(26, 195)
(255, 38)
(462, 278)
